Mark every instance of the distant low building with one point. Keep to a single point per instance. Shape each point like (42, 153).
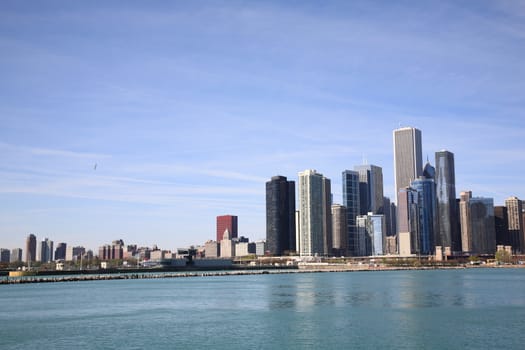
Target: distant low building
(260, 248)
(5, 255)
(212, 249)
(16, 255)
(241, 249)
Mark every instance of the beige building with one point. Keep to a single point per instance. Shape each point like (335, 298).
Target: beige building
(515, 223)
(478, 231)
(408, 162)
(339, 230)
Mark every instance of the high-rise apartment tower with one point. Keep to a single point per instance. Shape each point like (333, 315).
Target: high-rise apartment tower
(315, 217)
(280, 215)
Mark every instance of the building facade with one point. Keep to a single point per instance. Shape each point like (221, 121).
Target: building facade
(16, 255)
(478, 232)
(408, 162)
(212, 249)
(45, 251)
(314, 213)
(30, 248)
(408, 222)
(280, 215)
(227, 222)
(447, 213)
(5, 255)
(371, 228)
(427, 211)
(339, 230)
(60, 251)
(515, 223)
(501, 223)
(370, 189)
(352, 202)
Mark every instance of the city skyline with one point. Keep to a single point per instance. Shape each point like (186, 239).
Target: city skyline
(136, 121)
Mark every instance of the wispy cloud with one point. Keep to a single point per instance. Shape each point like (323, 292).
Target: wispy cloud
(37, 151)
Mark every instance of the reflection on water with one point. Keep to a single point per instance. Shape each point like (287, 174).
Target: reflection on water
(414, 289)
(400, 309)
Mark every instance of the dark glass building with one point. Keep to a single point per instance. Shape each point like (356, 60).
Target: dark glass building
(448, 234)
(370, 189)
(351, 200)
(501, 224)
(426, 202)
(60, 251)
(31, 248)
(280, 216)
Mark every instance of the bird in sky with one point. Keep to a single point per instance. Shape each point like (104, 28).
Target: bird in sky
(95, 167)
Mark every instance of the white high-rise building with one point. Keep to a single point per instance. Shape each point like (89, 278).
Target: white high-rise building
(315, 219)
(408, 160)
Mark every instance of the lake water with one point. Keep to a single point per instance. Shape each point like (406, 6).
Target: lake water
(439, 309)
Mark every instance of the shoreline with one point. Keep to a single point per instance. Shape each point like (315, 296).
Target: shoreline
(123, 275)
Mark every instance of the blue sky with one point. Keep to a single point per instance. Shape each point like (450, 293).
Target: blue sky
(187, 108)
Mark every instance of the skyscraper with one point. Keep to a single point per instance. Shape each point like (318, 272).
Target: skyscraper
(426, 209)
(370, 188)
(31, 248)
(339, 230)
(448, 235)
(387, 211)
(351, 200)
(60, 252)
(314, 213)
(327, 220)
(372, 227)
(16, 255)
(408, 222)
(515, 223)
(46, 251)
(5, 255)
(408, 162)
(226, 222)
(478, 232)
(280, 215)
(501, 222)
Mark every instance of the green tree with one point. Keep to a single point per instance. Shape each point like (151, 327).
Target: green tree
(503, 256)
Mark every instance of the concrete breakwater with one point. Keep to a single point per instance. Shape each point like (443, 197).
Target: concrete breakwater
(156, 275)
(126, 276)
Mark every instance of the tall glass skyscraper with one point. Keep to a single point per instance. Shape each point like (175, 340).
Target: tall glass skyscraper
(448, 235)
(45, 251)
(280, 215)
(370, 188)
(371, 232)
(426, 206)
(408, 162)
(315, 218)
(351, 200)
